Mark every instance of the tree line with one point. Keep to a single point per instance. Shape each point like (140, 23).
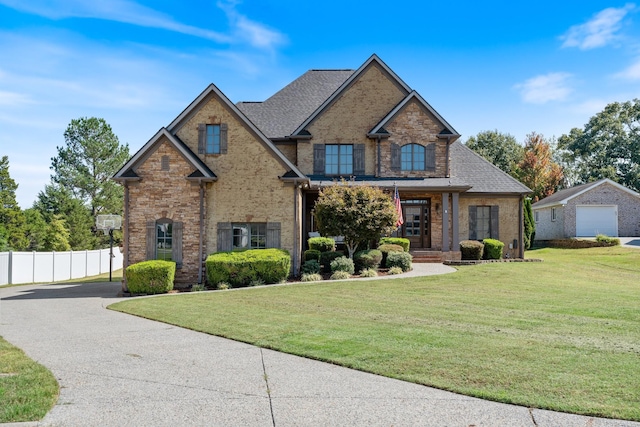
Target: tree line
(63, 215)
(607, 147)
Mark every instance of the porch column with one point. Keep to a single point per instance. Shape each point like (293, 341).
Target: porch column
(446, 247)
(455, 240)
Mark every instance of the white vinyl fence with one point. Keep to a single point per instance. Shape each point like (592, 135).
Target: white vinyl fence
(37, 267)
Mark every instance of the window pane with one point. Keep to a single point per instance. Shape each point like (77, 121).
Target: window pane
(240, 236)
(213, 139)
(164, 232)
(331, 159)
(412, 157)
(418, 157)
(258, 236)
(483, 224)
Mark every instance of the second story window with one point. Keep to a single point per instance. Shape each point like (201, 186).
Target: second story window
(412, 157)
(338, 159)
(213, 139)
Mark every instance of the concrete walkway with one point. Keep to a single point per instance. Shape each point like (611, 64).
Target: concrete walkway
(120, 370)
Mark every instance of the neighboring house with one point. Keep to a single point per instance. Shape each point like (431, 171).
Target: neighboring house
(601, 207)
(223, 176)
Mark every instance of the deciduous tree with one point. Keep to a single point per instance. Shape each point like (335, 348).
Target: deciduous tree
(359, 213)
(499, 148)
(608, 146)
(537, 170)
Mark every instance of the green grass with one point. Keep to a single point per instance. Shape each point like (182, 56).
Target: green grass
(27, 390)
(562, 335)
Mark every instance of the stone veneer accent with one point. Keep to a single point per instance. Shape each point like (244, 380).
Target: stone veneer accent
(165, 194)
(414, 125)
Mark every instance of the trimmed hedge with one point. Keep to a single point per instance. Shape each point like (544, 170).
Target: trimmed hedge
(370, 258)
(312, 254)
(580, 243)
(471, 249)
(401, 241)
(399, 259)
(607, 241)
(492, 249)
(242, 268)
(151, 277)
(327, 257)
(342, 264)
(322, 244)
(386, 248)
(310, 267)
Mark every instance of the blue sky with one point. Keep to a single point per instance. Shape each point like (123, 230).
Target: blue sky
(516, 67)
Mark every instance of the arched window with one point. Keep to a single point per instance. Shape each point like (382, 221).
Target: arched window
(412, 157)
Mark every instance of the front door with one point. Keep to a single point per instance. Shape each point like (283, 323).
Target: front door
(416, 222)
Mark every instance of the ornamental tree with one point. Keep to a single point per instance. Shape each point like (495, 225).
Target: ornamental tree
(359, 213)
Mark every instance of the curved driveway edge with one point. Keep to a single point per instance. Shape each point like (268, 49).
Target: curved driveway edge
(119, 370)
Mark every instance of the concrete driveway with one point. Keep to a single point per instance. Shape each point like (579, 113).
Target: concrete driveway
(120, 370)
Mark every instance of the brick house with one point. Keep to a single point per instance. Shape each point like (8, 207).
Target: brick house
(223, 176)
(600, 207)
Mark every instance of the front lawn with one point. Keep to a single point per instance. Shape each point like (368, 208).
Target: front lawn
(562, 335)
(28, 390)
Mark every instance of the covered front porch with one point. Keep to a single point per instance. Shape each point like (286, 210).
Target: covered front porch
(431, 216)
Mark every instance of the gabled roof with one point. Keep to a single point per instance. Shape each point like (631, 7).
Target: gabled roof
(347, 83)
(213, 91)
(448, 130)
(202, 171)
(282, 113)
(482, 175)
(562, 197)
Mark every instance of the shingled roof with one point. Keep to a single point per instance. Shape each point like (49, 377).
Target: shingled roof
(482, 175)
(281, 114)
(563, 196)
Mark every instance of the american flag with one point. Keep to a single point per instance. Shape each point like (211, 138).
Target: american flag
(396, 200)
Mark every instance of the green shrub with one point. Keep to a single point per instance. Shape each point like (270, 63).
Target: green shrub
(370, 258)
(312, 254)
(311, 267)
(492, 249)
(257, 282)
(395, 270)
(386, 248)
(575, 243)
(340, 275)
(342, 264)
(327, 257)
(223, 286)
(369, 272)
(242, 268)
(400, 241)
(322, 244)
(607, 241)
(399, 259)
(311, 278)
(151, 277)
(197, 288)
(471, 249)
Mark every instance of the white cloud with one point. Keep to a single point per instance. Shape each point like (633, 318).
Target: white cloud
(599, 31)
(14, 99)
(130, 12)
(544, 88)
(632, 72)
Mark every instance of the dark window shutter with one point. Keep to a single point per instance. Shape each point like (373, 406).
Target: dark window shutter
(273, 235)
(202, 136)
(358, 159)
(430, 157)
(395, 157)
(318, 159)
(151, 239)
(225, 239)
(177, 244)
(495, 220)
(473, 223)
(223, 138)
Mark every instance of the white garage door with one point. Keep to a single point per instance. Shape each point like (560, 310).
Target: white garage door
(594, 220)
